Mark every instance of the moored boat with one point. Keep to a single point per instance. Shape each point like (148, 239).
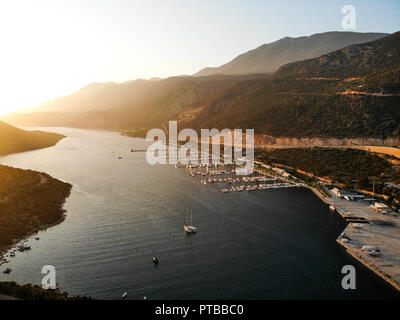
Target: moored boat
(7, 271)
(188, 227)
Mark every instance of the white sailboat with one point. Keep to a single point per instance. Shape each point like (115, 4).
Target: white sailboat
(188, 227)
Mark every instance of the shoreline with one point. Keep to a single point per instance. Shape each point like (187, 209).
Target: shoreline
(5, 249)
(54, 214)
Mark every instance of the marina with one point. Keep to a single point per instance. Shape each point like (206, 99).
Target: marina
(225, 174)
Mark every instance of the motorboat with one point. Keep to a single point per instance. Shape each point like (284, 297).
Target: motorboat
(7, 271)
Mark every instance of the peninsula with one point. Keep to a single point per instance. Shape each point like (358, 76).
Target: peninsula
(29, 201)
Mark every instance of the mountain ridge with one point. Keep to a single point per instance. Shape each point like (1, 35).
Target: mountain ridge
(268, 57)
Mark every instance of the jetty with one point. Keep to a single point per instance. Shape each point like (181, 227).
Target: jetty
(372, 228)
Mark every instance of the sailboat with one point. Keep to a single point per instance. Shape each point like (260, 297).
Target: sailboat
(188, 227)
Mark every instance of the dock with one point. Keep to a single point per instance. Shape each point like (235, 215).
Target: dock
(367, 227)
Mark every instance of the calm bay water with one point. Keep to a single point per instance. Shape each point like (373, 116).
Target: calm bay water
(262, 245)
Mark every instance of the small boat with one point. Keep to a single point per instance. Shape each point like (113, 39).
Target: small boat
(7, 271)
(124, 295)
(155, 260)
(119, 158)
(188, 227)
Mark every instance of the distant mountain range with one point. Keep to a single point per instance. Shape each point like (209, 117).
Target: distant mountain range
(14, 140)
(97, 96)
(350, 92)
(269, 57)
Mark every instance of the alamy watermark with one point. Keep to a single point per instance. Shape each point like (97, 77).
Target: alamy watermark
(349, 20)
(49, 280)
(349, 280)
(163, 152)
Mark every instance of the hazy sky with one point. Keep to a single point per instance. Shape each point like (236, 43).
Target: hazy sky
(51, 48)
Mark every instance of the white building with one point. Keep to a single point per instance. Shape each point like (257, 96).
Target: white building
(346, 195)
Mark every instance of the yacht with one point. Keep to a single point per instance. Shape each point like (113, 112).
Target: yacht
(188, 227)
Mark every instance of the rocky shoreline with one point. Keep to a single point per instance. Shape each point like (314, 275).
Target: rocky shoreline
(29, 202)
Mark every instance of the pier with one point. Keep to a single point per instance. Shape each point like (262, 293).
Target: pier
(367, 227)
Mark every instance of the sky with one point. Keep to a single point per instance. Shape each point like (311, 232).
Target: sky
(52, 48)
